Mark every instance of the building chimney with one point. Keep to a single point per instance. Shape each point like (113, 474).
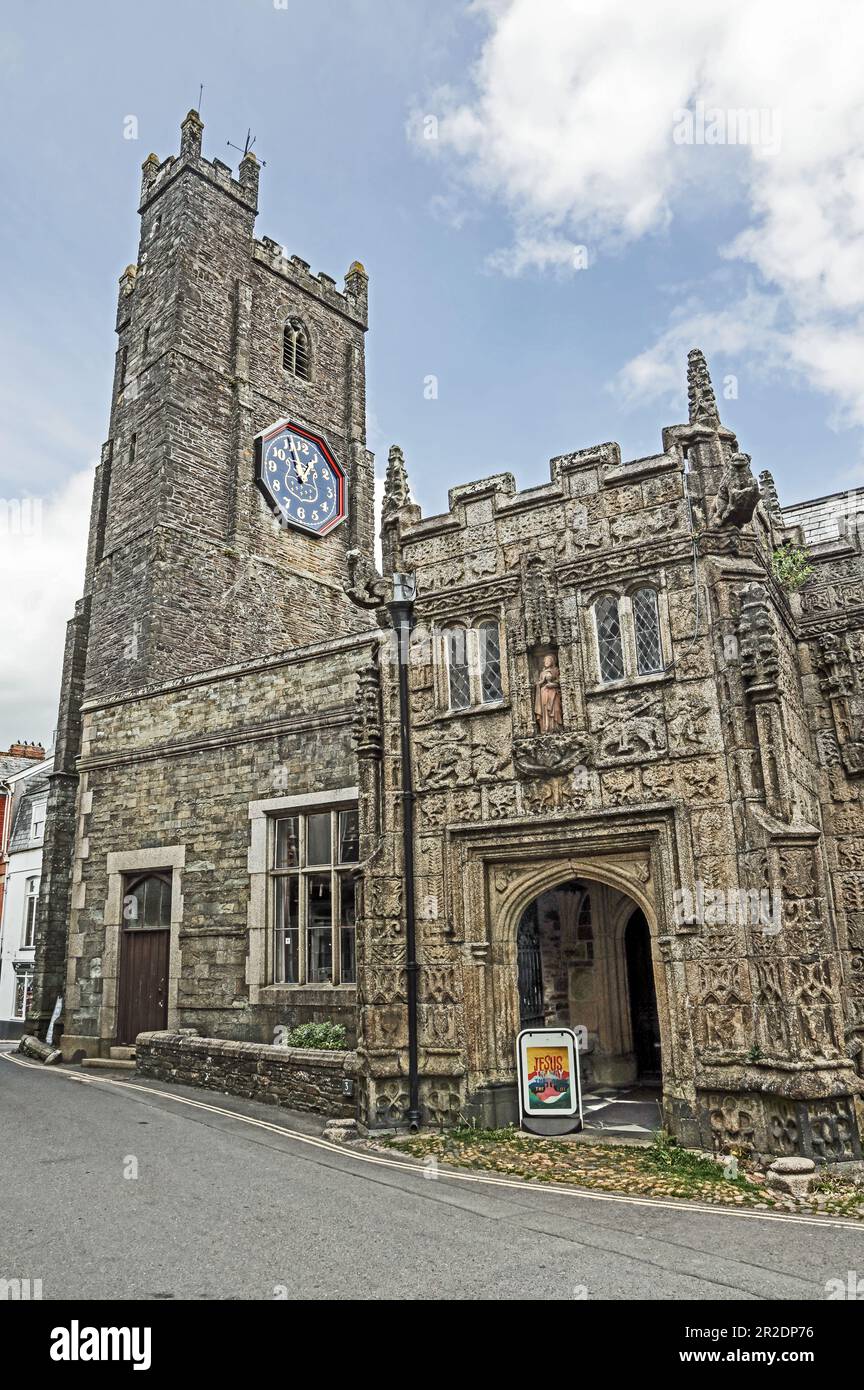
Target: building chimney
(25, 750)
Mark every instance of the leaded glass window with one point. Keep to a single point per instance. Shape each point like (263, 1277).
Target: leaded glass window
(609, 649)
(649, 656)
(489, 641)
(458, 670)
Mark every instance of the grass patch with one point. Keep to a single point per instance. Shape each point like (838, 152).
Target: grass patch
(659, 1169)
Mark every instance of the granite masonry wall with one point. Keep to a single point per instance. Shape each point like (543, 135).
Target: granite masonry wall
(218, 663)
(167, 780)
(295, 1077)
(711, 771)
(187, 571)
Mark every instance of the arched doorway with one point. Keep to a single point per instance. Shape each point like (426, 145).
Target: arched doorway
(145, 951)
(583, 956)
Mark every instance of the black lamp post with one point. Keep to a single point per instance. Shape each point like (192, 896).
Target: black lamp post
(401, 610)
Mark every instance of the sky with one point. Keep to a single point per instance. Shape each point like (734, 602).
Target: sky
(555, 200)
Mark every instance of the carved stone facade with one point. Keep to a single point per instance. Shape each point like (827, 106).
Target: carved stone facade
(707, 777)
(612, 702)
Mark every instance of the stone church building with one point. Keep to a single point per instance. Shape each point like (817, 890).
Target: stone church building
(626, 794)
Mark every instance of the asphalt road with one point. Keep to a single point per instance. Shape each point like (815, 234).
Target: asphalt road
(225, 1209)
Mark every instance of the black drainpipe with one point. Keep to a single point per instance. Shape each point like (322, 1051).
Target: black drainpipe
(401, 610)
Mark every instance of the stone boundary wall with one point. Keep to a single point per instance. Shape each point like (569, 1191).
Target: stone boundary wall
(298, 1078)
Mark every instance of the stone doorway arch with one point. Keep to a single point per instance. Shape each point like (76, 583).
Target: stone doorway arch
(496, 872)
(584, 960)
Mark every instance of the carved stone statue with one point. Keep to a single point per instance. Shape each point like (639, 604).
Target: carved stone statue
(548, 710)
(737, 494)
(365, 586)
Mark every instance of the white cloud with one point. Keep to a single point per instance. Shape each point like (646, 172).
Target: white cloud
(571, 125)
(745, 327)
(540, 253)
(41, 577)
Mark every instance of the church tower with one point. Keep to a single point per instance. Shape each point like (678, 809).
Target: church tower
(192, 564)
(219, 335)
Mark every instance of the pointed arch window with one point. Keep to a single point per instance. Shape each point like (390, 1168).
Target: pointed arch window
(609, 649)
(147, 900)
(646, 626)
(296, 357)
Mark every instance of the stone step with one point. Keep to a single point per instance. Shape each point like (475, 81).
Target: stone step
(122, 1054)
(115, 1064)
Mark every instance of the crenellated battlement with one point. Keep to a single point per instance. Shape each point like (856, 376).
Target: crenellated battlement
(578, 474)
(157, 175)
(352, 300)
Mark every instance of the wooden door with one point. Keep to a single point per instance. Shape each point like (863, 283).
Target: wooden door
(142, 1005)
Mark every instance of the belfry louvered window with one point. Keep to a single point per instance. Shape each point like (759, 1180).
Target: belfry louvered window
(609, 651)
(295, 350)
(458, 670)
(646, 625)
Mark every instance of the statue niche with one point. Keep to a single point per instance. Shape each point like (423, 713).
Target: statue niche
(546, 681)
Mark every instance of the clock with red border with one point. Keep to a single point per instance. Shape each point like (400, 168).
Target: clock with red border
(300, 478)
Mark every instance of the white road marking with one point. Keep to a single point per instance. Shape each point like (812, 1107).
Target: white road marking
(584, 1194)
(615, 1128)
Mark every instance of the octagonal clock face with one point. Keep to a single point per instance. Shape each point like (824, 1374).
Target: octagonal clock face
(300, 478)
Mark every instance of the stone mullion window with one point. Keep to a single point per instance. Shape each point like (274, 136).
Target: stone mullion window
(628, 633)
(458, 668)
(312, 897)
(473, 675)
(489, 653)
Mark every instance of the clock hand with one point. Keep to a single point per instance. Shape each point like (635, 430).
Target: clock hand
(298, 467)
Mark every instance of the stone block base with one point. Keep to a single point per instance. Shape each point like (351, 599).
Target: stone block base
(824, 1129)
(494, 1107)
(295, 1077)
(76, 1046)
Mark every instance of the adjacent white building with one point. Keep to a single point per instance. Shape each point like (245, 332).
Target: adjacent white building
(23, 874)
